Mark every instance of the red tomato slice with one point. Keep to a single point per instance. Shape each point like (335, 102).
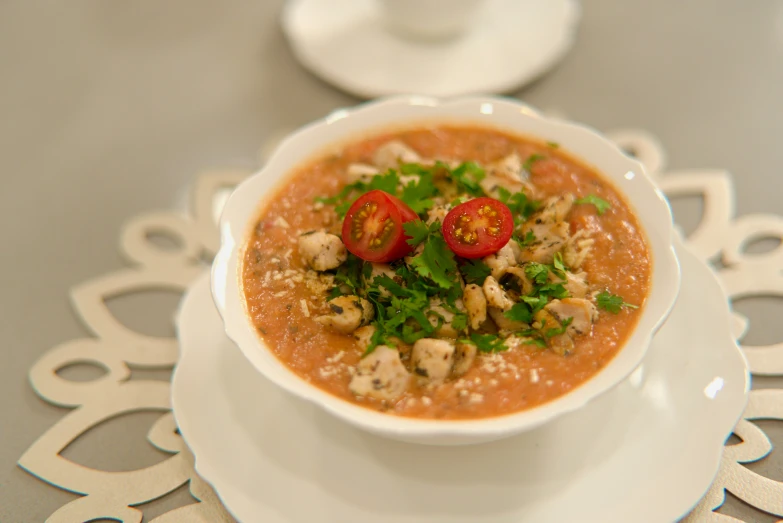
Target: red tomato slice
(478, 227)
(372, 229)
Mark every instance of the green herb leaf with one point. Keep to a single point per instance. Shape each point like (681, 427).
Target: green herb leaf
(488, 342)
(558, 267)
(553, 145)
(559, 330)
(475, 271)
(536, 302)
(538, 342)
(385, 182)
(601, 205)
(554, 290)
(460, 322)
(537, 272)
(533, 158)
(436, 262)
(418, 195)
(520, 312)
(417, 230)
(350, 274)
(467, 176)
(612, 302)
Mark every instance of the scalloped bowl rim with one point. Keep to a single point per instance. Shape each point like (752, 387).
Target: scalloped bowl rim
(626, 174)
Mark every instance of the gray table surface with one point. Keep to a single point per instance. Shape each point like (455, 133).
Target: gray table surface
(108, 109)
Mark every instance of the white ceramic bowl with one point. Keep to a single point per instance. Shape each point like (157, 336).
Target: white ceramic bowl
(625, 173)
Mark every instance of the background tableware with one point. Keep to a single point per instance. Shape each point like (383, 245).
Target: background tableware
(430, 19)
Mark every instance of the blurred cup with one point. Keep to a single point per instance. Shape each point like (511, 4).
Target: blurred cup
(430, 19)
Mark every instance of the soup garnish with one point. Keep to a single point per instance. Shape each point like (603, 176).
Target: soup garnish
(441, 273)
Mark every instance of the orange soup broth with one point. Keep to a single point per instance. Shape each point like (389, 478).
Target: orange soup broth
(278, 302)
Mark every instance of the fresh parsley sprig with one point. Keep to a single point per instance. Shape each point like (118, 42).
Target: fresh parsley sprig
(533, 158)
(600, 204)
(475, 271)
(612, 302)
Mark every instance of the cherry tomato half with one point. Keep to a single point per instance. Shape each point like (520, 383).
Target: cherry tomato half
(372, 229)
(477, 228)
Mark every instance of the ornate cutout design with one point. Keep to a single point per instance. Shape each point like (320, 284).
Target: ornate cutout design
(115, 347)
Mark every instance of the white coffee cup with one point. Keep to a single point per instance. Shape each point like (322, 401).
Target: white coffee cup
(430, 19)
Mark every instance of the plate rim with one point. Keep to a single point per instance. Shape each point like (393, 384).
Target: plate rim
(216, 479)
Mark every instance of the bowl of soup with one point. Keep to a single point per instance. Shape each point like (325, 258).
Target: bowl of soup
(445, 272)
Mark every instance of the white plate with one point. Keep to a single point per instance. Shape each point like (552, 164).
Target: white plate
(645, 452)
(346, 43)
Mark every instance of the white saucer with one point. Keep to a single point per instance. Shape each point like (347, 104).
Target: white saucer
(645, 452)
(346, 43)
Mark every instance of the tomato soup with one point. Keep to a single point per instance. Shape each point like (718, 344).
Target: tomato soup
(535, 324)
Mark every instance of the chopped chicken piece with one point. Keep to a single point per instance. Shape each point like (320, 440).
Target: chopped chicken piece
(322, 251)
(505, 325)
(446, 329)
(577, 249)
(519, 275)
(360, 172)
(432, 359)
(437, 213)
(582, 313)
(491, 182)
(550, 238)
(382, 269)
(574, 283)
(348, 314)
(476, 304)
(393, 153)
(509, 167)
(363, 335)
(380, 375)
(556, 208)
(560, 343)
(495, 295)
(464, 356)
(501, 260)
(516, 250)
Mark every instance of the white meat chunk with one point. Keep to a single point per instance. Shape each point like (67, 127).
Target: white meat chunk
(432, 359)
(476, 304)
(491, 182)
(464, 356)
(509, 167)
(556, 208)
(559, 343)
(498, 262)
(363, 335)
(360, 172)
(519, 275)
(322, 251)
(577, 249)
(444, 317)
(380, 375)
(549, 239)
(582, 313)
(575, 284)
(505, 325)
(495, 295)
(393, 153)
(348, 314)
(437, 213)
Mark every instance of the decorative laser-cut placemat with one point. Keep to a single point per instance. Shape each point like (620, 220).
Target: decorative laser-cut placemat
(115, 347)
